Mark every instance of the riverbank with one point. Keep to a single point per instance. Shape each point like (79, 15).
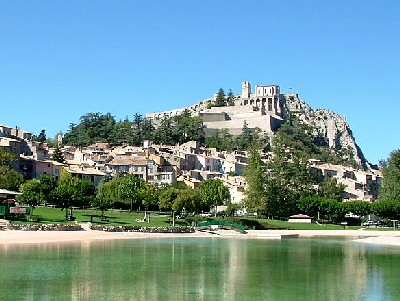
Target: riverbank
(32, 237)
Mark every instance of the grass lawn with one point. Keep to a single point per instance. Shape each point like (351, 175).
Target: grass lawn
(47, 215)
(114, 217)
(302, 226)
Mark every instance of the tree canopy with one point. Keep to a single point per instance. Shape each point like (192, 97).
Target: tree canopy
(390, 187)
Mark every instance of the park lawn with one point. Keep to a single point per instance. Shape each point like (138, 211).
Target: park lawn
(303, 226)
(47, 215)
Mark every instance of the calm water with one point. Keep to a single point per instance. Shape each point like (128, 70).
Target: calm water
(201, 269)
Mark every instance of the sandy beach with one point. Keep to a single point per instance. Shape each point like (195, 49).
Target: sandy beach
(31, 237)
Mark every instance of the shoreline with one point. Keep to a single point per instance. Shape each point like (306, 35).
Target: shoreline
(8, 237)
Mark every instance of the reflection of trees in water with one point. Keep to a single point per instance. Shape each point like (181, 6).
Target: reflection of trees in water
(204, 269)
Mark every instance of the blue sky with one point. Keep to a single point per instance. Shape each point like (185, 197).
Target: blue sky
(62, 59)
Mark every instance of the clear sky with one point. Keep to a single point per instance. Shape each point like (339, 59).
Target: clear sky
(62, 59)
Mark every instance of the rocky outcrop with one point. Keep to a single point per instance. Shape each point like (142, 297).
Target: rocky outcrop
(330, 128)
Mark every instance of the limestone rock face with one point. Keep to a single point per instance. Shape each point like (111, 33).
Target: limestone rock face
(329, 126)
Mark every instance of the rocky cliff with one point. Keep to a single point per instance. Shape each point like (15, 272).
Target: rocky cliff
(331, 129)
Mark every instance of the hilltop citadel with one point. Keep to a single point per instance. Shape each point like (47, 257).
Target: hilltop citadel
(266, 109)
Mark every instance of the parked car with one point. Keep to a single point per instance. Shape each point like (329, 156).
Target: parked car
(371, 223)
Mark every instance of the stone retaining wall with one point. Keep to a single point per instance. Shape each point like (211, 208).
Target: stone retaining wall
(143, 229)
(45, 227)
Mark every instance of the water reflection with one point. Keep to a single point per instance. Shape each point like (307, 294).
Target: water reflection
(200, 269)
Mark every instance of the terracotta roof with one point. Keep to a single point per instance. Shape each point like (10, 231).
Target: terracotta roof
(300, 216)
(124, 162)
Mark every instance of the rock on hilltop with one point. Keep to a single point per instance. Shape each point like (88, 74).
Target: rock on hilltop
(332, 128)
(267, 109)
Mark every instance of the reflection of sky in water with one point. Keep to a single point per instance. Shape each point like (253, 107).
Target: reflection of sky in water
(375, 290)
(201, 269)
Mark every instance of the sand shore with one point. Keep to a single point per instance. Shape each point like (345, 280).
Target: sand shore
(31, 237)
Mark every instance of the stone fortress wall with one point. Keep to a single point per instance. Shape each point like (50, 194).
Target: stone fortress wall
(267, 109)
(262, 109)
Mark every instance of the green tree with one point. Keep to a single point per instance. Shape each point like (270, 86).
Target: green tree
(164, 132)
(58, 155)
(129, 190)
(6, 158)
(167, 197)
(37, 191)
(232, 208)
(122, 134)
(30, 193)
(331, 190)
(255, 175)
(221, 139)
(93, 127)
(390, 187)
(220, 100)
(148, 198)
(386, 209)
(360, 208)
(41, 137)
(247, 138)
(72, 192)
(310, 205)
(105, 197)
(107, 194)
(213, 192)
(188, 199)
(10, 179)
(230, 101)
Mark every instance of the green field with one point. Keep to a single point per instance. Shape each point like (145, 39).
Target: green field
(45, 215)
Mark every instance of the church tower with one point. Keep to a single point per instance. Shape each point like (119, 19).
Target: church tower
(246, 89)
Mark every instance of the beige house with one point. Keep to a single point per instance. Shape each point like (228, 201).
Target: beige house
(86, 173)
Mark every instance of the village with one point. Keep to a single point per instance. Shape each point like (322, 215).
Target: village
(161, 164)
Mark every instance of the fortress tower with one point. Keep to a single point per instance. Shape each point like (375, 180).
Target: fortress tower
(246, 89)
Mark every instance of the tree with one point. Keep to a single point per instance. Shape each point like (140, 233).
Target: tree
(167, 197)
(254, 174)
(6, 158)
(220, 100)
(360, 208)
(107, 194)
(58, 155)
(30, 193)
(390, 187)
(331, 190)
(213, 192)
(164, 132)
(147, 194)
(73, 192)
(310, 205)
(42, 136)
(288, 170)
(37, 191)
(93, 127)
(105, 197)
(247, 138)
(129, 190)
(389, 209)
(221, 139)
(188, 199)
(10, 179)
(230, 101)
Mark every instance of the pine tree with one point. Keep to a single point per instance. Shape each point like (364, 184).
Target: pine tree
(390, 188)
(255, 194)
(58, 156)
(220, 100)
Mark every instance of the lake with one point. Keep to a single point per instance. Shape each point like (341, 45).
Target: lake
(201, 269)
